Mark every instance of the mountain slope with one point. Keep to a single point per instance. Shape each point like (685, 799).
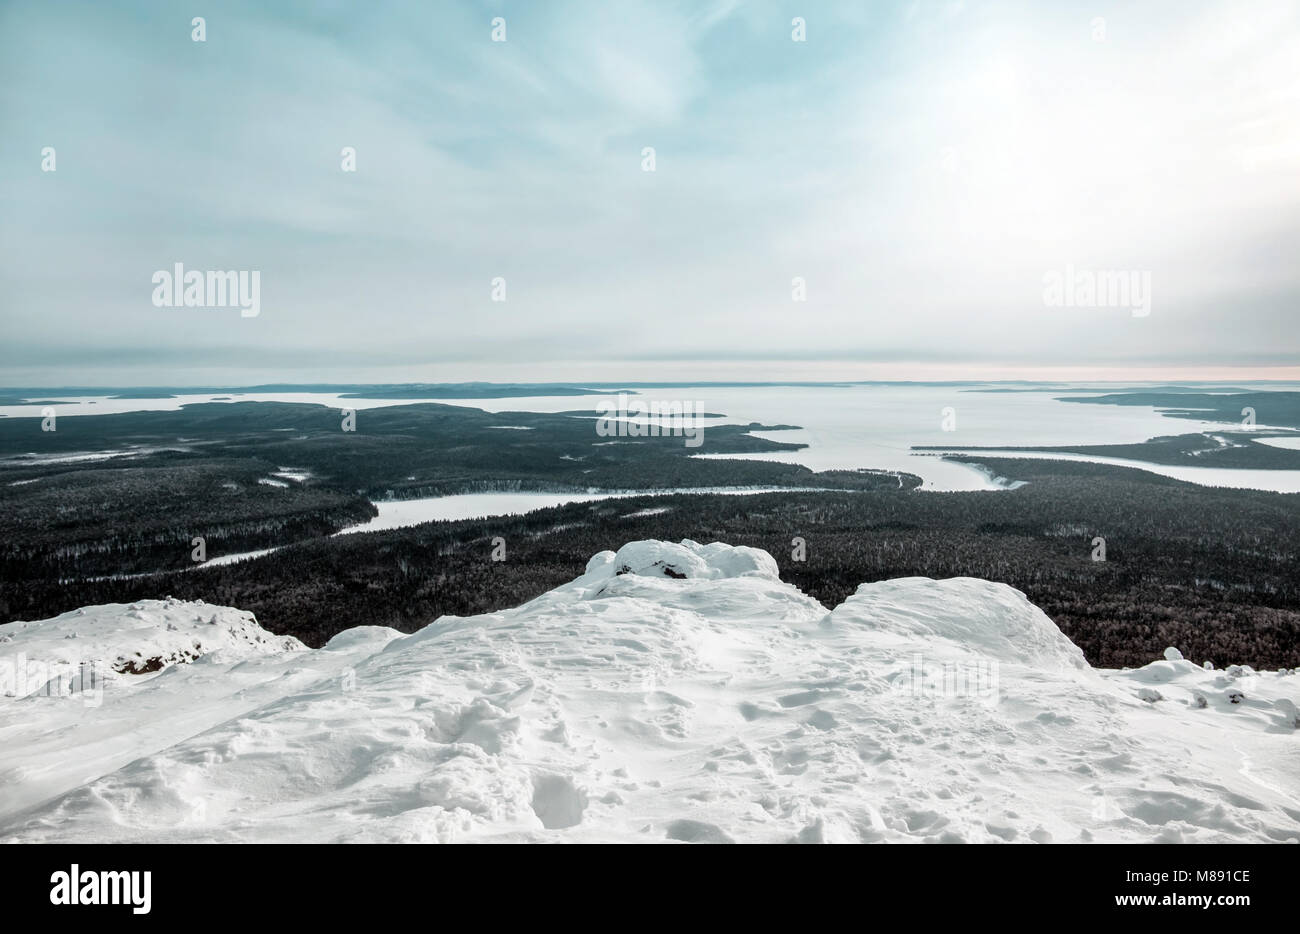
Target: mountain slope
(672, 692)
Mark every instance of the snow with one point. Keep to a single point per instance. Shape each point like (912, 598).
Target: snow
(41, 460)
(674, 692)
(232, 558)
(291, 473)
(656, 511)
(131, 636)
(688, 560)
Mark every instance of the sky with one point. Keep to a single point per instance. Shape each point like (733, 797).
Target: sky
(921, 170)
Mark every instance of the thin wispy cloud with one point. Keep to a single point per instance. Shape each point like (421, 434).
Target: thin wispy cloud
(920, 166)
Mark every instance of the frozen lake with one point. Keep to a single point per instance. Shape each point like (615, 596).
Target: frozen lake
(875, 426)
(1289, 443)
(396, 514)
(845, 427)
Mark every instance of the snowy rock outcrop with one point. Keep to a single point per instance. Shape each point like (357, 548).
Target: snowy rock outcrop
(131, 640)
(689, 560)
(674, 693)
(964, 614)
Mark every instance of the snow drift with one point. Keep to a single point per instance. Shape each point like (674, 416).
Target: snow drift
(673, 692)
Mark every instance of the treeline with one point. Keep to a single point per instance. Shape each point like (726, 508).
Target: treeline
(128, 520)
(1240, 450)
(1211, 571)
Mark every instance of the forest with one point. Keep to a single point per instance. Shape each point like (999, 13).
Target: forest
(1210, 571)
(407, 451)
(116, 495)
(1236, 450)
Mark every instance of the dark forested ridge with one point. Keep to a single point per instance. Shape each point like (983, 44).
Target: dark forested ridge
(1210, 571)
(1270, 406)
(1235, 450)
(109, 519)
(30, 396)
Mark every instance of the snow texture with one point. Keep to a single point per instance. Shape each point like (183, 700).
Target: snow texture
(672, 693)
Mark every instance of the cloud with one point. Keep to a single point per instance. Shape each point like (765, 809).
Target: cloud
(921, 166)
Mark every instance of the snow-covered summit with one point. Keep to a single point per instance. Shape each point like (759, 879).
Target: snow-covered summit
(672, 692)
(964, 614)
(132, 640)
(689, 560)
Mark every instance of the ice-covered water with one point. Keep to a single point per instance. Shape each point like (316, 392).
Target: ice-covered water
(876, 426)
(844, 427)
(396, 514)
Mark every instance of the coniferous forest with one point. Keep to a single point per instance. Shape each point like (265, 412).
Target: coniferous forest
(1210, 571)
